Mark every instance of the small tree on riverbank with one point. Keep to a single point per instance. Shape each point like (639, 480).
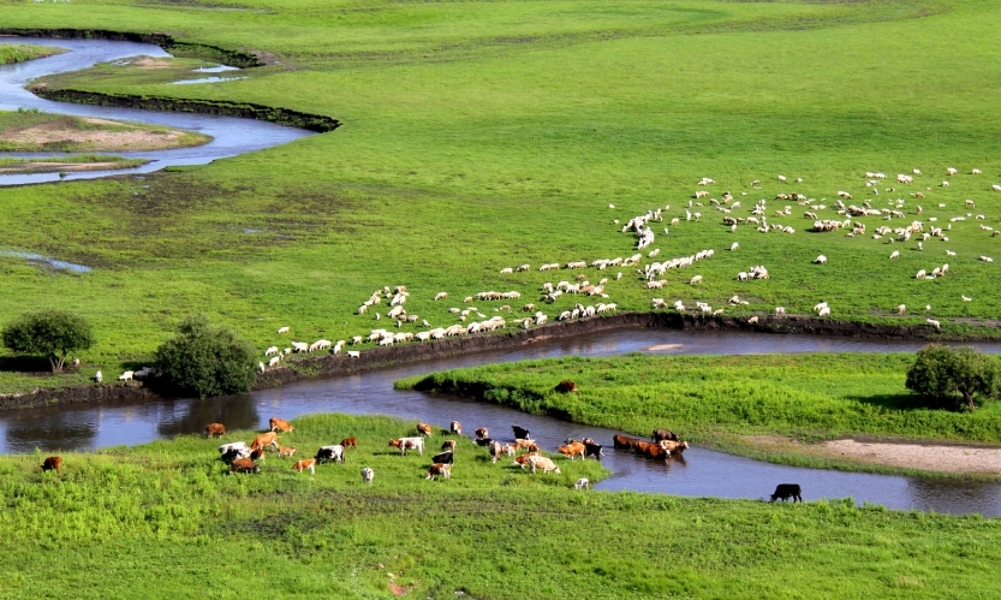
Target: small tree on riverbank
(206, 360)
(51, 333)
(954, 377)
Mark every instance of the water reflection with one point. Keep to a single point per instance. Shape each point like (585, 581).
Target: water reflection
(236, 412)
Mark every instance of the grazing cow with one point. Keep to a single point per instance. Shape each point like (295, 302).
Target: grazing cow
(265, 439)
(233, 454)
(496, 451)
(286, 452)
(455, 427)
(529, 445)
(788, 490)
(541, 462)
(592, 451)
(520, 433)
(244, 465)
(330, 453)
(674, 447)
(448, 445)
(215, 429)
(439, 469)
(411, 443)
(424, 429)
(482, 433)
(572, 450)
(566, 386)
(665, 434)
(306, 463)
(483, 441)
(234, 446)
(582, 484)
(367, 475)
(623, 442)
(522, 460)
(258, 454)
(52, 463)
(281, 425)
(351, 442)
(445, 458)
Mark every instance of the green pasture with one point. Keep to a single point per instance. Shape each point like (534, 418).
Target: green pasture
(15, 53)
(164, 520)
(719, 400)
(478, 136)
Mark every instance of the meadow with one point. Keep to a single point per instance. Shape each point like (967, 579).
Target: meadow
(479, 136)
(734, 403)
(15, 53)
(164, 520)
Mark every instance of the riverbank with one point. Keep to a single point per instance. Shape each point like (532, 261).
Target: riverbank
(37, 131)
(67, 164)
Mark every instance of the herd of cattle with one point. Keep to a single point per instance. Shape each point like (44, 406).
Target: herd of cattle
(526, 452)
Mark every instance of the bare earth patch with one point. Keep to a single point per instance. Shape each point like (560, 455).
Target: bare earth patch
(924, 456)
(106, 140)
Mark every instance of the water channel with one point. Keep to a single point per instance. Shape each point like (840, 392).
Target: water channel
(700, 473)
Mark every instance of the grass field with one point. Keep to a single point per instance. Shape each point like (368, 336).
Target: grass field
(725, 402)
(479, 136)
(15, 53)
(165, 521)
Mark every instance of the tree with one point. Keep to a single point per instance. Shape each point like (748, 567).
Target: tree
(954, 377)
(51, 333)
(207, 360)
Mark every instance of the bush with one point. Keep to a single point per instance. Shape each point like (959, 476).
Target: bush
(204, 360)
(953, 377)
(51, 333)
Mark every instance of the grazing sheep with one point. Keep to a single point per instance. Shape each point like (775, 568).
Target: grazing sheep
(752, 321)
(367, 475)
(820, 260)
(901, 309)
(895, 254)
(126, 376)
(780, 310)
(440, 296)
(695, 280)
(934, 324)
(284, 329)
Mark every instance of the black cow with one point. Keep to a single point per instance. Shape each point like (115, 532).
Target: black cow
(445, 458)
(788, 490)
(592, 450)
(483, 441)
(232, 455)
(520, 433)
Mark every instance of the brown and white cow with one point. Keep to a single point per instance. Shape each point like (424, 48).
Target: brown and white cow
(281, 425)
(455, 427)
(448, 445)
(439, 469)
(286, 452)
(424, 429)
(544, 463)
(674, 447)
(409, 443)
(306, 463)
(529, 445)
(215, 429)
(265, 439)
(244, 465)
(482, 433)
(573, 449)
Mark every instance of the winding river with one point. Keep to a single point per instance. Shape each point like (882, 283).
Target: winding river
(231, 136)
(700, 473)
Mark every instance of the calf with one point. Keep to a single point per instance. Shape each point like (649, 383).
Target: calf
(52, 463)
(286, 452)
(411, 443)
(788, 490)
(264, 440)
(541, 462)
(351, 442)
(520, 433)
(582, 484)
(665, 434)
(572, 450)
(367, 475)
(424, 429)
(445, 458)
(482, 433)
(448, 445)
(306, 463)
(623, 442)
(438, 469)
(276, 424)
(244, 465)
(455, 427)
(215, 429)
(330, 453)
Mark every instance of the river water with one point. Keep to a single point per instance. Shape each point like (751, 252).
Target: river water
(700, 472)
(231, 136)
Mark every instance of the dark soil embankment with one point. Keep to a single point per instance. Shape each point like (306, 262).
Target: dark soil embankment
(328, 365)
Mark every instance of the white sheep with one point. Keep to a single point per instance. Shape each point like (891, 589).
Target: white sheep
(260, 367)
(354, 353)
(734, 246)
(934, 324)
(753, 320)
(901, 309)
(126, 376)
(966, 299)
(895, 254)
(695, 280)
(284, 329)
(820, 260)
(780, 310)
(440, 296)
(98, 377)
(274, 361)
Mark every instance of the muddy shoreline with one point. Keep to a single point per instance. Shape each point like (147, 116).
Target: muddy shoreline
(329, 365)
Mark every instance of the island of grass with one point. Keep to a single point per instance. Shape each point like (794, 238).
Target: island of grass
(166, 520)
(37, 131)
(15, 53)
(848, 411)
(68, 164)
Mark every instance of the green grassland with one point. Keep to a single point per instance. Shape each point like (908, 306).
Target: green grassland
(723, 401)
(163, 520)
(483, 135)
(15, 53)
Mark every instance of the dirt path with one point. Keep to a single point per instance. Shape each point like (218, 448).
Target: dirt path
(927, 457)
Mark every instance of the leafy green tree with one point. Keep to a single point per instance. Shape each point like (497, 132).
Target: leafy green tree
(954, 377)
(50, 333)
(207, 360)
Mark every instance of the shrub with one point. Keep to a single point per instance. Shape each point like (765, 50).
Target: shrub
(51, 333)
(206, 360)
(953, 377)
